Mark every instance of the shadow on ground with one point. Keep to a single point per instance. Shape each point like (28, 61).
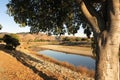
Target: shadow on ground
(25, 60)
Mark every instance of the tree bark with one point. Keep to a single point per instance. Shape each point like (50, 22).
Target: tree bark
(107, 59)
(107, 40)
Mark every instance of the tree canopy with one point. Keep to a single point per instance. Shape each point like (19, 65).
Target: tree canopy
(53, 16)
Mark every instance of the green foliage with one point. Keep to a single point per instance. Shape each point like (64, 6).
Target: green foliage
(93, 45)
(39, 40)
(66, 39)
(87, 31)
(48, 16)
(15, 36)
(0, 26)
(1, 39)
(11, 41)
(77, 39)
(57, 16)
(84, 39)
(74, 39)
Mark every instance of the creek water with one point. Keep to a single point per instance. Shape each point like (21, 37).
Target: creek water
(77, 60)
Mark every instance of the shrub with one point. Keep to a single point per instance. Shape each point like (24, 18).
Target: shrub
(12, 41)
(86, 71)
(66, 39)
(84, 39)
(1, 39)
(77, 39)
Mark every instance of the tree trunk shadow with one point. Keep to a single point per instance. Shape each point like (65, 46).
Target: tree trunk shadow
(26, 60)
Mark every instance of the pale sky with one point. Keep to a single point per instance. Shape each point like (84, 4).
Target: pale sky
(10, 26)
(8, 22)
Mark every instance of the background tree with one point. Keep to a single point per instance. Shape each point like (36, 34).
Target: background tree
(1, 37)
(0, 26)
(102, 17)
(11, 41)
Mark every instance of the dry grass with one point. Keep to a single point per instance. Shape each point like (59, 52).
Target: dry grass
(86, 71)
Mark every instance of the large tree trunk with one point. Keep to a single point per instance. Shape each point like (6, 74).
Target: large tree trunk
(107, 60)
(107, 38)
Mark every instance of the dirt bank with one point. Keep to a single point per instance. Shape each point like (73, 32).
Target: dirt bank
(70, 49)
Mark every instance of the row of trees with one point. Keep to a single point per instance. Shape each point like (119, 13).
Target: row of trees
(101, 17)
(75, 39)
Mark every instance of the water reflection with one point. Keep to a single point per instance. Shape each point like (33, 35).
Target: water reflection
(71, 58)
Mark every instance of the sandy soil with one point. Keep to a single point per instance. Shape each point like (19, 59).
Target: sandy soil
(70, 49)
(11, 69)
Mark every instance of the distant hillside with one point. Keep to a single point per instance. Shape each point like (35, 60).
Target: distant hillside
(26, 36)
(32, 37)
(35, 37)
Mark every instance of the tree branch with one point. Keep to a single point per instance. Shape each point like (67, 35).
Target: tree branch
(93, 12)
(90, 18)
(98, 24)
